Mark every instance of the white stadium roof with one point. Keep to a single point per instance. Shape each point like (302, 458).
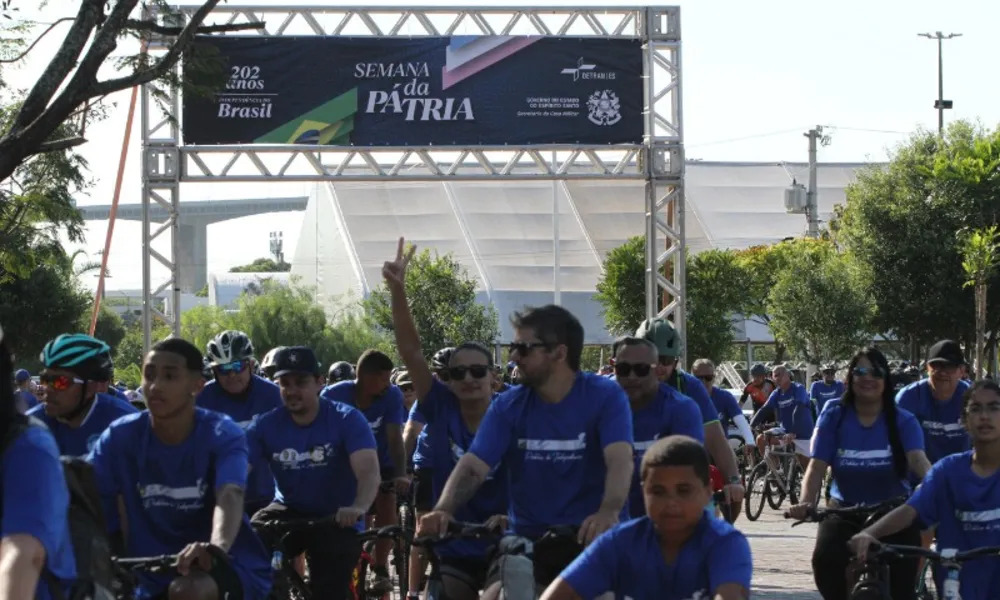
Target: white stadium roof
(502, 231)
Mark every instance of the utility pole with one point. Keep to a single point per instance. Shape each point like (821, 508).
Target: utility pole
(277, 247)
(941, 104)
(812, 201)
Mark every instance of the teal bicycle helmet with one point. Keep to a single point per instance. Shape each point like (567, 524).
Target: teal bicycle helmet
(88, 357)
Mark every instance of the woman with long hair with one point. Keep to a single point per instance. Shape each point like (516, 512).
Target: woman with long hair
(871, 445)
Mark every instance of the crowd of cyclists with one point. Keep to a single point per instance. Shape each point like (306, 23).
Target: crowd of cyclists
(588, 485)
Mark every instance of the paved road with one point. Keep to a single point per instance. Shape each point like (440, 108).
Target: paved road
(781, 557)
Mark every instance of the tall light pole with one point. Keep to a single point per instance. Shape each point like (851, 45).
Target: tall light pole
(941, 105)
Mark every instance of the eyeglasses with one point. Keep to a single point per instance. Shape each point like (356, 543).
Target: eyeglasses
(406, 387)
(477, 371)
(623, 369)
(867, 372)
(58, 382)
(523, 348)
(443, 376)
(237, 366)
(706, 378)
(977, 409)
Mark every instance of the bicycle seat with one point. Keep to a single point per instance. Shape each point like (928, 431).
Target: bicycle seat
(775, 432)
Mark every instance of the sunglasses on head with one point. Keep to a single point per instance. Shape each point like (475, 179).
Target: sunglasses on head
(477, 372)
(624, 369)
(58, 382)
(237, 366)
(867, 372)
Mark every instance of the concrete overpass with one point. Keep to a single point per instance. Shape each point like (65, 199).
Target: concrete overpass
(193, 222)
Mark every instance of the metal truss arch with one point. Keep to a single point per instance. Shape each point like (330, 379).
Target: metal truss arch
(659, 160)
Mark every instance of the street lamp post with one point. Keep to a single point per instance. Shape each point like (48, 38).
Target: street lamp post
(941, 104)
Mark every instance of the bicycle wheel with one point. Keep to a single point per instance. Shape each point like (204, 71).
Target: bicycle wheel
(775, 495)
(401, 562)
(795, 483)
(756, 489)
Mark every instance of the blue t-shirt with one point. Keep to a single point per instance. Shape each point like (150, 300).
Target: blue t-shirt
(312, 464)
(36, 501)
(820, 393)
(449, 439)
(387, 409)
(785, 406)
(966, 509)
(944, 433)
(668, 413)
(261, 397)
(628, 560)
(169, 492)
(542, 443)
(117, 393)
(861, 457)
(726, 406)
(421, 452)
(25, 400)
(79, 441)
(693, 388)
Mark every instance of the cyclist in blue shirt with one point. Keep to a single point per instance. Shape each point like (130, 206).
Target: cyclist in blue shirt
(180, 472)
(453, 412)
(937, 401)
(76, 411)
(870, 444)
(34, 528)
(241, 395)
(960, 495)
(657, 409)
(790, 404)
(675, 551)
(826, 389)
(668, 345)
(24, 395)
(561, 425)
(325, 466)
(382, 404)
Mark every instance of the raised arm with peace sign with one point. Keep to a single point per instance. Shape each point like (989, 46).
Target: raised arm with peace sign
(394, 271)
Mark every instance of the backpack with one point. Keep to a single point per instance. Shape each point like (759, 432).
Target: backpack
(88, 532)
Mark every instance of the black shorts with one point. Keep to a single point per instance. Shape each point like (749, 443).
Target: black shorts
(551, 557)
(470, 571)
(387, 475)
(226, 580)
(423, 493)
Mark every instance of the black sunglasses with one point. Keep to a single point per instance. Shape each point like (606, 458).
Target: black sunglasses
(623, 369)
(477, 372)
(706, 378)
(523, 348)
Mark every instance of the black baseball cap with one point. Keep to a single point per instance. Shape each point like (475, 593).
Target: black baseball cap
(295, 359)
(947, 352)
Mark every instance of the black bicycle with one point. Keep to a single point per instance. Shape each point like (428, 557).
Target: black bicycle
(876, 586)
(456, 531)
(125, 569)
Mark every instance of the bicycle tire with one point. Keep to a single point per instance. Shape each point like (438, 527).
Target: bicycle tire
(774, 494)
(755, 474)
(401, 556)
(795, 482)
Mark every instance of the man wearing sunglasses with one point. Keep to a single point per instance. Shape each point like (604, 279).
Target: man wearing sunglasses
(241, 395)
(668, 345)
(75, 404)
(657, 410)
(382, 404)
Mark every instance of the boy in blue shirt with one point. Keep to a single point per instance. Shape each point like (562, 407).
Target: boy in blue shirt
(961, 495)
(676, 551)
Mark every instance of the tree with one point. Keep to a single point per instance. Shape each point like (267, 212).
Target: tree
(760, 266)
(128, 352)
(263, 265)
(714, 287)
(443, 302)
(110, 327)
(899, 224)
(819, 303)
(980, 252)
(621, 289)
(69, 86)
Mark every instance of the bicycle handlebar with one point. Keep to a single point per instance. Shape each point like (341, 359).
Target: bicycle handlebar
(818, 515)
(146, 563)
(946, 555)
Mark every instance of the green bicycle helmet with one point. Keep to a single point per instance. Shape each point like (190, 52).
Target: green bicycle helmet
(88, 357)
(663, 335)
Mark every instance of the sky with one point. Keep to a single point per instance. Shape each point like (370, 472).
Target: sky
(756, 76)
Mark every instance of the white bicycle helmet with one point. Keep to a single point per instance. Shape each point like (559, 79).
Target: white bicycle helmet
(228, 346)
(267, 365)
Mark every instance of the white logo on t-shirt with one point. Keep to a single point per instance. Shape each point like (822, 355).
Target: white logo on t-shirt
(291, 459)
(553, 450)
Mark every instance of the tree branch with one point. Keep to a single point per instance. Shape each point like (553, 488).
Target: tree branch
(163, 30)
(35, 43)
(60, 144)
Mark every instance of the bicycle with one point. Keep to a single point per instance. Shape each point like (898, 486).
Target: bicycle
(124, 569)
(776, 481)
(456, 530)
(876, 588)
(400, 550)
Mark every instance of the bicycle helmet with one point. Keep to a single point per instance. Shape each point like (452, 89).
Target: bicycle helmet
(88, 357)
(340, 371)
(207, 372)
(267, 364)
(758, 369)
(229, 346)
(830, 367)
(663, 335)
(441, 358)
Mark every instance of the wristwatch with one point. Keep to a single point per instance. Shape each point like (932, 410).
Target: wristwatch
(735, 480)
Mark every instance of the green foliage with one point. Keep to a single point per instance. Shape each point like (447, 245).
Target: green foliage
(442, 299)
(590, 360)
(110, 327)
(979, 249)
(714, 285)
(131, 375)
(203, 292)
(621, 289)
(819, 304)
(261, 265)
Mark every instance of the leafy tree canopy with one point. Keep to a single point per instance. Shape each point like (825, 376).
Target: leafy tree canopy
(263, 265)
